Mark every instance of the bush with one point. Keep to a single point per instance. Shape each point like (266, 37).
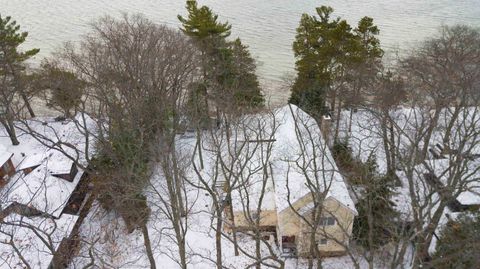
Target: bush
(343, 155)
(122, 172)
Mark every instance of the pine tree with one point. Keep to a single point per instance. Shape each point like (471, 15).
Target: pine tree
(323, 47)
(375, 208)
(202, 24)
(209, 35)
(329, 54)
(240, 77)
(229, 78)
(12, 71)
(458, 245)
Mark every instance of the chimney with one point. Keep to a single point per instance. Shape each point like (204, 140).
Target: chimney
(325, 128)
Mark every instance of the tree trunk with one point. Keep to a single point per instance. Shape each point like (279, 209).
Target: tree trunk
(448, 130)
(392, 152)
(350, 122)
(199, 143)
(337, 122)
(370, 220)
(27, 104)
(428, 136)
(218, 239)
(10, 128)
(258, 253)
(234, 230)
(178, 181)
(386, 145)
(175, 218)
(425, 238)
(148, 246)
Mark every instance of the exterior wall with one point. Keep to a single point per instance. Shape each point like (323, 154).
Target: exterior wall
(6, 170)
(292, 225)
(337, 235)
(268, 218)
(28, 170)
(288, 223)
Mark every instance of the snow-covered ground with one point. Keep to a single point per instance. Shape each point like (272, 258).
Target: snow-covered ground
(106, 241)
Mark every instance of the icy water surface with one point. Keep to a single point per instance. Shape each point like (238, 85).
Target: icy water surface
(267, 26)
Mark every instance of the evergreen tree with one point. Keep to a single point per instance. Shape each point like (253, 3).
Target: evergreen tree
(329, 55)
(202, 24)
(209, 35)
(239, 77)
(375, 209)
(12, 69)
(229, 79)
(458, 245)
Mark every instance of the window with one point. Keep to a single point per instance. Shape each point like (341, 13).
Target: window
(327, 221)
(288, 245)
(323, 241)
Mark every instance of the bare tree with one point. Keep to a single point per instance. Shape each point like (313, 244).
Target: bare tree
(137, 74)
(444, 72)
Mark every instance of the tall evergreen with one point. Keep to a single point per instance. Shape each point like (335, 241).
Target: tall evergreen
(229, 78)
(239, 77)
(329, 53)
(12, 67)
(202, 24)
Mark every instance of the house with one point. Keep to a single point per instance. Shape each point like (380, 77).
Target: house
(40, 207)
(439, 173)
(30, 162)
(287, 202)
(7, 169)
(430, 179)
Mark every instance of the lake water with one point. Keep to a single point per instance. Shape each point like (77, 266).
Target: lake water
(267, 26)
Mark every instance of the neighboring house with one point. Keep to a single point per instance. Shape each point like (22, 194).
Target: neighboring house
(7, 169)
(438, 173)
(50, 178)
(30, 162)
(286, 199)
(39, 207)
(429, 179)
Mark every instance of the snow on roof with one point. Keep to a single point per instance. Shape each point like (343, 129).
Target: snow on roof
(291, 143)
(58, 163)
(469, 178)
(40, 190)
(248, 195)
(303, 153)
(30, 161)
(4, 155)
(364, 133)
(31, 245)
(424, 193)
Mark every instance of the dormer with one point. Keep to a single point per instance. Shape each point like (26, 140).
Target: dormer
(67, 174)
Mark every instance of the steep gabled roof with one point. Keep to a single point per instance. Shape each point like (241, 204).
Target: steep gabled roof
(4, 155)
(296, 136)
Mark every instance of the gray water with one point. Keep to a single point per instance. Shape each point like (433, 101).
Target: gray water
(267, 26)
